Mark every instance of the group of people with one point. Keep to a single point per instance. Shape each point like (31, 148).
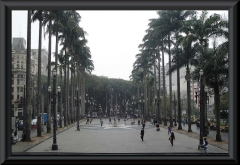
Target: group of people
(172, 137)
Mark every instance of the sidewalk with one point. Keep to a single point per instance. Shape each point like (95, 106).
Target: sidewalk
(222, 145)
(24, 146)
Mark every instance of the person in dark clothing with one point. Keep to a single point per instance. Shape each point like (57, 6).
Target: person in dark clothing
(157, 125)
(142, 133)
(169, 129)
(101, 123)
(110, 120)
(143, 123)
(171, 138)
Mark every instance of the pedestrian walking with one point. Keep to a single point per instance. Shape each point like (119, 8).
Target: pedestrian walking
(205, 146)
(110, 120)
(157, 125)
(169, 129)
(119, 119)
(171, 138)
(101, 123)
(143, 123)
(125, 121)
(142, 133)
(87, 121)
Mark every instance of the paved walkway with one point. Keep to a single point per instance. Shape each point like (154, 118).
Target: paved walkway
(122, 139)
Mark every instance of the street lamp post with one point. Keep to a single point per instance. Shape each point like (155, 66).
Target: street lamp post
(201, 109)
(59, 105)
(54, 145)
(78, 128)
(175, 122)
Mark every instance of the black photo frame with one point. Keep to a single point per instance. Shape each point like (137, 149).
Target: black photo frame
(5, 73)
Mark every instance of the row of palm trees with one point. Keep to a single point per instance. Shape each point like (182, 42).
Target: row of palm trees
(74, 58)
(184, 36)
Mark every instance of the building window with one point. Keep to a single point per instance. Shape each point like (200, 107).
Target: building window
(18, 82)
(12, 59)
(17, 96)
(12, 97)
(12, 81)
(17, 61)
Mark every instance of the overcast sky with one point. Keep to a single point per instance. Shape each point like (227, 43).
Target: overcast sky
(113, 37)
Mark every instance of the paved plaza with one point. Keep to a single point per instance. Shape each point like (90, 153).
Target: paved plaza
(120, 139)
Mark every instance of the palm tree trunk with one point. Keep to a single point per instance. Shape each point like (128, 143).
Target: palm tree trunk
(68, 106)
(27, 115)
(179, 95)
(170, 84)
(188, 97)
(82, 91)
(138, 95)
(56, 61)
(72, 98)
(49, 76)
(39, 129)
(65, 92)
(164, 88)
(148, 102)
(145, 98)
(217, 110)
(159, 86)
(155, 87)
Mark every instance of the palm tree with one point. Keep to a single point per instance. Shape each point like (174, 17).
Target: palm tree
(204, 28)
(136, 77)
(166, 17)
(27, 114)
(178, 17)
(143, 63)
(159, 32)
(48, 20)
(150, 45)
(37, 15)
(216, 60)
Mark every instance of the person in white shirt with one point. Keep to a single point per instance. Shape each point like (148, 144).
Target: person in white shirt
(205, 146)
